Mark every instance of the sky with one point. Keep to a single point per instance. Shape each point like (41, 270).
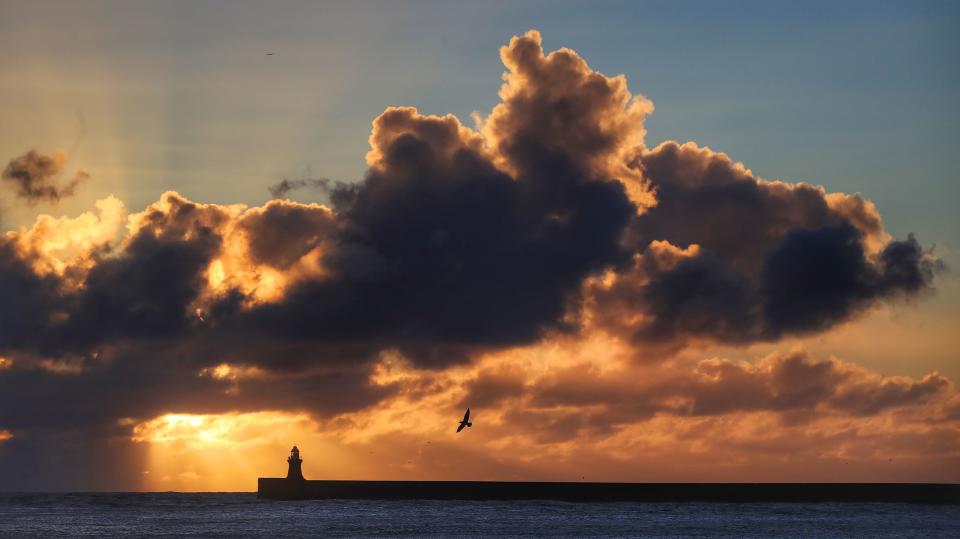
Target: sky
(646, 241)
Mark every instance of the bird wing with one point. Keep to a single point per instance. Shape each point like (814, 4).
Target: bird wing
(466, 416)
(460, 428)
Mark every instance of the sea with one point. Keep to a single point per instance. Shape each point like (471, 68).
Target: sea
(243, 515)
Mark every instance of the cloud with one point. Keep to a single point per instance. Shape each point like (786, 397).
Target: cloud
(784, 383)
(778, 417)
(279, 234)
(815, 278)
(430, 284)
(459, 241)
(492, 386)
(282, 188)
(34, 174)
(707, 199)
(558, 117)
(728, 257)
(436, 241)
(811, 280)
(145, 290)
(795, 381)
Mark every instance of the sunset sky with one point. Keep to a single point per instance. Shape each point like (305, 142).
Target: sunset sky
(643, 241)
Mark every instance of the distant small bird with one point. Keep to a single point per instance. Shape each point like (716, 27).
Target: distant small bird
(465, 422)
(269, 54)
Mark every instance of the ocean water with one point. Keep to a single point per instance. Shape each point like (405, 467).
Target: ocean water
(243, 515)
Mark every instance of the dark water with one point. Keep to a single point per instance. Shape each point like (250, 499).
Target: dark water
(242, 515)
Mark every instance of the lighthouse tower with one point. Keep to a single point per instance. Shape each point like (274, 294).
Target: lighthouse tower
(294, 461)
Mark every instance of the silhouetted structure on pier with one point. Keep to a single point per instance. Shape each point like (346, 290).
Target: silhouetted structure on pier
(294, 471)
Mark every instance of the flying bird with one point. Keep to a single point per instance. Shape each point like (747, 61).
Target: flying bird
(465, 422)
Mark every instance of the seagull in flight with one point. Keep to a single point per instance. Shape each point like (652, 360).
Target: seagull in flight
(465, 422)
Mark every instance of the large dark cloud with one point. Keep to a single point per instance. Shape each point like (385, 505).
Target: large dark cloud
(438, 252)
(35, 174)
(810, 280)
(448, 246)
(815, 278)
(455, 242)
(458, 241)
(705, 198)
(454, 250)
(728, 257)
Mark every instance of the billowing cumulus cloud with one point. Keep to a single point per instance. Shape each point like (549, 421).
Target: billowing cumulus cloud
(446, 275)
(36, 175)
(558, 118)
(436, 241)
(707, 199)
(729, 257)
(809, 281)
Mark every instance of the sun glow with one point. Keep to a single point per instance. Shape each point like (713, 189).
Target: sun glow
(204, 431)
(227, 452)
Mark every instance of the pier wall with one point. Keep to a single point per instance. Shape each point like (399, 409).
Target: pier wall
(285, 489)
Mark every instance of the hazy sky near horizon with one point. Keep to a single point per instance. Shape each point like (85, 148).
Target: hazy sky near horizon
(218, 101)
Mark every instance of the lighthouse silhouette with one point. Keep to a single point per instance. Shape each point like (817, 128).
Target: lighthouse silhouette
(294, 461)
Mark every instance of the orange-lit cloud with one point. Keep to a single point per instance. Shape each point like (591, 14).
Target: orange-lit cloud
(66, 246)
(226, 371)
(233, 375)
(557, 103)
(782, 417)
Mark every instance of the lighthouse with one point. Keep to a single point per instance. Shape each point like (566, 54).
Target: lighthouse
(293, 461)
